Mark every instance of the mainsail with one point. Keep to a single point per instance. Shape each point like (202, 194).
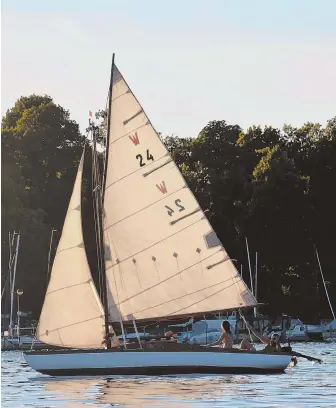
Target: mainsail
(72, 314)
(162, 256)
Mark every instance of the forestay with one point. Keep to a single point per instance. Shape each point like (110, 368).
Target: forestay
(163, 257)
(72, 314)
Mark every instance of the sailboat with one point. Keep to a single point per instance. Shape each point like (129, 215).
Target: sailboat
(160, 259)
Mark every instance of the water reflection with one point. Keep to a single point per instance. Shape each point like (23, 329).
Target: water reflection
(130, 391)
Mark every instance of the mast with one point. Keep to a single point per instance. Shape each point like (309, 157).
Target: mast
(12, 283)
(49, 253)
(325, 286)
(108, 130)
(10, 263)
(256, 283)
(256, 276)
(101, 214)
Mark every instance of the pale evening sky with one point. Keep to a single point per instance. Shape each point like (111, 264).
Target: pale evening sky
(187, 61)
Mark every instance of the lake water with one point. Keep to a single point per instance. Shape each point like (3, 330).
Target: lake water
(306, 385)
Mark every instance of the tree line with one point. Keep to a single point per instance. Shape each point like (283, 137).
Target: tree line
(274, 186)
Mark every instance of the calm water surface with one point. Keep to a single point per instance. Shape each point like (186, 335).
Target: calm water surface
(306, 385)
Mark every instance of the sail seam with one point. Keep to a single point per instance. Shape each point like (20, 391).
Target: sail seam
(142, 209)
(126, 134)
(192, 293)
(67, 249)
(68, 287)
(133, 172)
(119, 96)
(156, 243)
(167, 279)
(69, 325)
(195, 303)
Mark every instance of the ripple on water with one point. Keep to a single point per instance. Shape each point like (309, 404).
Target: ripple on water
(306, 385)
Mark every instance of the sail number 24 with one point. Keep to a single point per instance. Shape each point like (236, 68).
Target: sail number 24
(141, 160)
(178, 205)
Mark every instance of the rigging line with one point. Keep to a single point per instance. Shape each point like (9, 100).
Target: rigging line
(130, 306)
(96, 181)
(101, 249)
(121, 278)
(158, 242)
(191, 293)
(120, 316)
(170, 277)
(97, 244)
(112, 246)
(94, 206)
(134, 172)
(11, 261)
(239, 281)
(248, 327)
(144, 208)
(4, 286)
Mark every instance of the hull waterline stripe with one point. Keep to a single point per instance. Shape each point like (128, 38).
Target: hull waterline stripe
(164, 370)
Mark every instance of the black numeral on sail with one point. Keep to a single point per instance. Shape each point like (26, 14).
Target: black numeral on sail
(140, 158)
(149, 156)
(178, 205)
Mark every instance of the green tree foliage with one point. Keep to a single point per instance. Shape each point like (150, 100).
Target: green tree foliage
(41, 147)
(275, 187)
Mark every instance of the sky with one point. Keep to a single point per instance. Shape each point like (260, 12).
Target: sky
(188, 62)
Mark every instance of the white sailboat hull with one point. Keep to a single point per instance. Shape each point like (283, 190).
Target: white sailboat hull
(130, 362)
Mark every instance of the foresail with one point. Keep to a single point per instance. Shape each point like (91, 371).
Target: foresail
(72, 314)
(163, 257)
